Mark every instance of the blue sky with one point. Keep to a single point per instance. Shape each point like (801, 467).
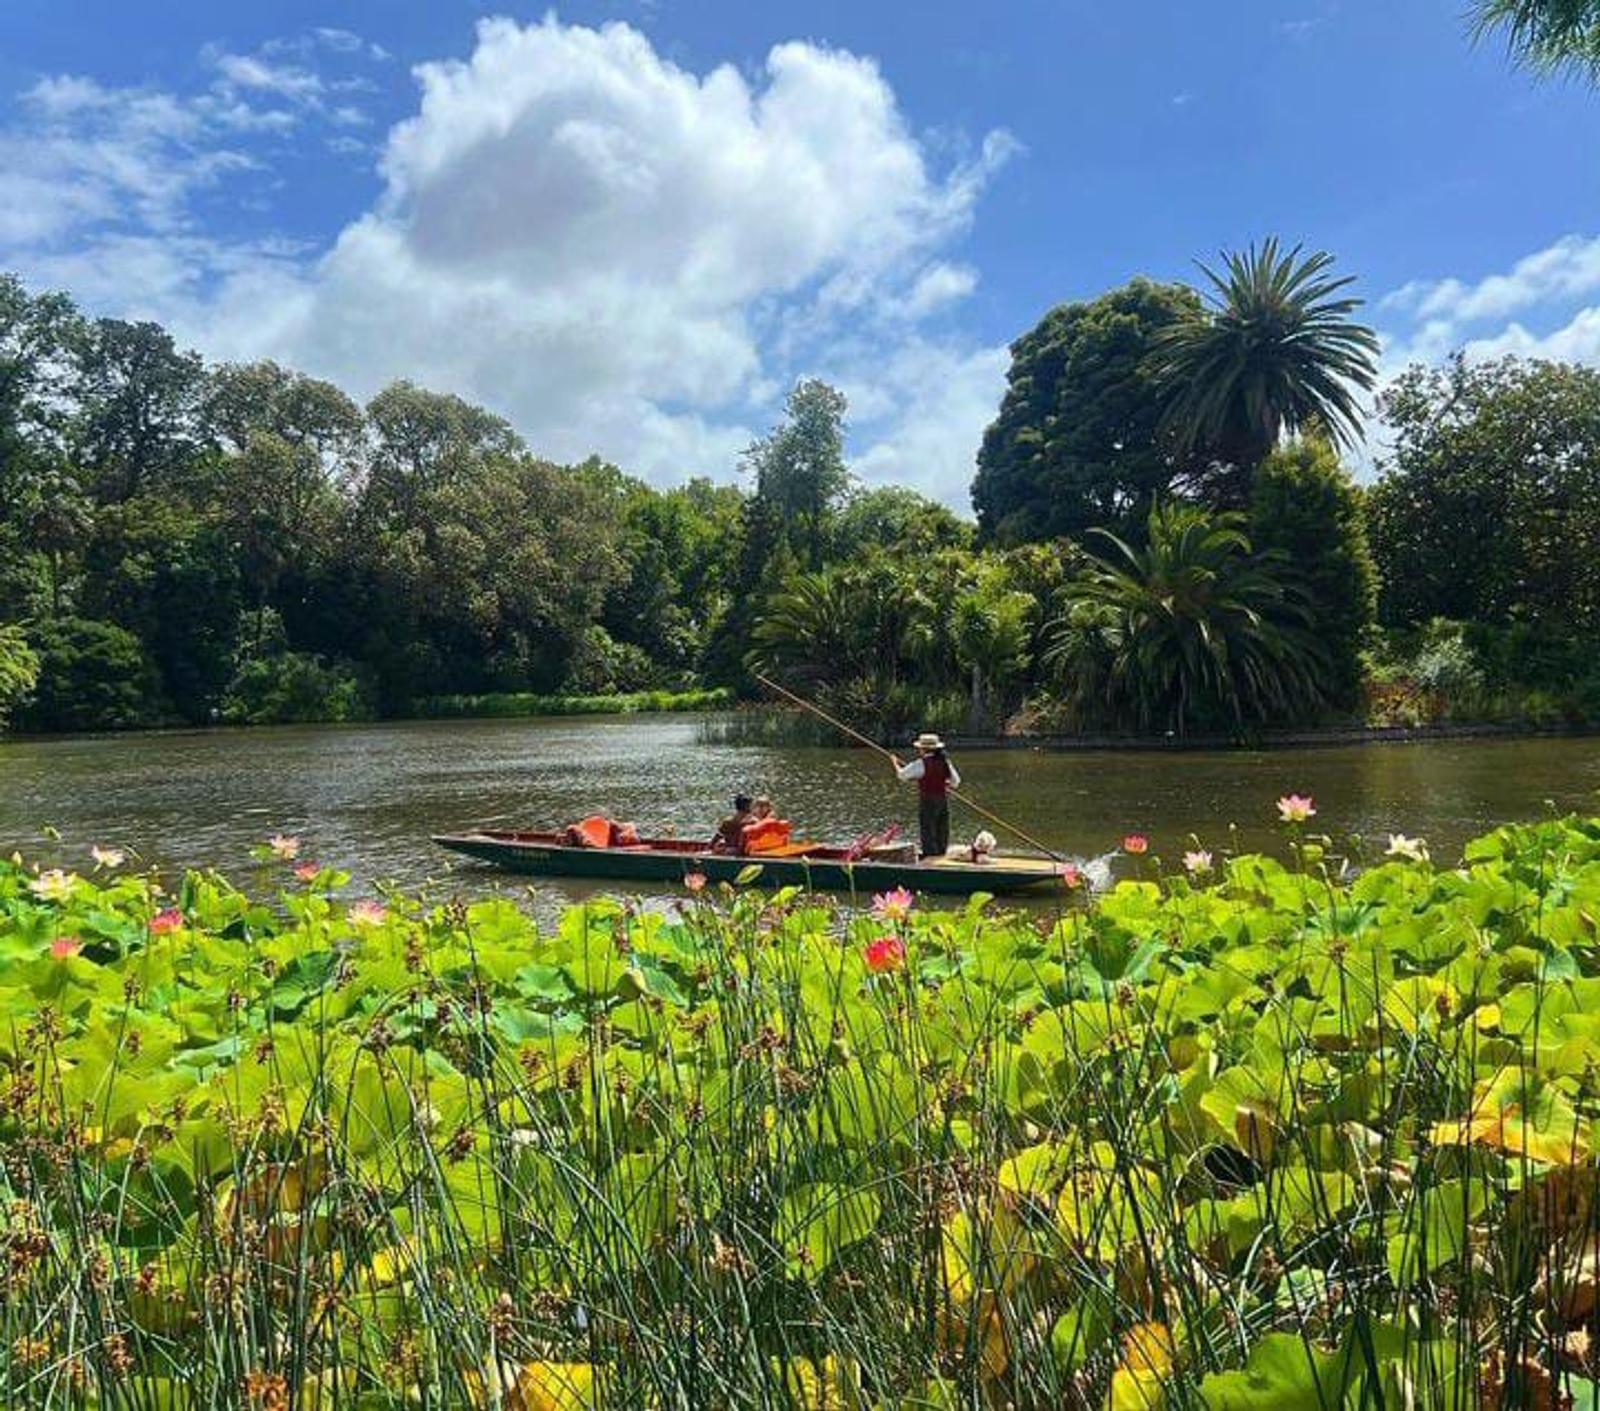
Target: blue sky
(629, 227)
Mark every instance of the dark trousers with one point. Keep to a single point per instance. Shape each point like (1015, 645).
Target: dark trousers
(933, 820)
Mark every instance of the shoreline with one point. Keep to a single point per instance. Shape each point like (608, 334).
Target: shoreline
(1321, 737)
(719, 701)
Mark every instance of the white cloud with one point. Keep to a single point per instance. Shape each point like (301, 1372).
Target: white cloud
(936, 401)
(1568, 269)
(619, 254)
(289, 81)
(1491, 316)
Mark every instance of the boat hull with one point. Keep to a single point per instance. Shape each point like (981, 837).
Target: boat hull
(544, 855)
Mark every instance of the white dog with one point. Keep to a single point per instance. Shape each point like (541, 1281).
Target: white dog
(978, 850)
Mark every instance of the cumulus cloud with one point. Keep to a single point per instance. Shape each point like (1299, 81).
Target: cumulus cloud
(1500, 313)
(621, 255)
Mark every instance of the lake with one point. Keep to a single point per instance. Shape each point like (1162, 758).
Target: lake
(366, 797)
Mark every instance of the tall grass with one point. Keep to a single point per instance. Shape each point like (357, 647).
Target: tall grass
(516, 705)
(1283, 1141)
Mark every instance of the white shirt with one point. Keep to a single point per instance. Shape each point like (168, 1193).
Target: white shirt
(913, 769)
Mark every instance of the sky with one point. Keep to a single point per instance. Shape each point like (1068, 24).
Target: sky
(629, 228)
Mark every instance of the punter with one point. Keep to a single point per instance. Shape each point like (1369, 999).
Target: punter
(935, 777)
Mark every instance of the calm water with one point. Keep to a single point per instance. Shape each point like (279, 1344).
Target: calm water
(367, 797)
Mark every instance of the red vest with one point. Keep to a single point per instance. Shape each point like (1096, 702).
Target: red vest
(935, 780)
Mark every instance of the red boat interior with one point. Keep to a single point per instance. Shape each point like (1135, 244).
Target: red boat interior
(680, 846)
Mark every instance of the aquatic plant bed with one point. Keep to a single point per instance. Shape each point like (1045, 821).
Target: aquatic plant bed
(1256, 1137)
(517, 705)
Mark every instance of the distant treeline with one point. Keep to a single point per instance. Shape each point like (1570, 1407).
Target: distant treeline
(1166, 539)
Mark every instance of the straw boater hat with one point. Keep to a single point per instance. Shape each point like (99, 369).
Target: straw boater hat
(928, 741)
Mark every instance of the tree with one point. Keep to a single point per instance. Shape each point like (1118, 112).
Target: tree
(1488, 507)
(1306, 510)
(1078, 443)
(845, 623)
(1278, 351)
(897, 519)
(799, 467)
(1548, 36)
(991, 629)
(19, 669)
(424, 442)
(138, 401)
(92, 676)
(1192, 631)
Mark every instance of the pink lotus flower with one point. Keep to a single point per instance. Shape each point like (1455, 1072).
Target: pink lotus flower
(1071, 875)
(164, 922)
(368, 913)
(1197, 862)
(64, 947)
(106, 857)
(884, 955)
(695, 881)
(1296, 808)
(307, 872)
(284, 846)
(893, 905)
(1136, 844)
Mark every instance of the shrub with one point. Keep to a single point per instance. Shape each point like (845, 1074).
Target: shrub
(19, 669)
(92, 676)
(293, 688)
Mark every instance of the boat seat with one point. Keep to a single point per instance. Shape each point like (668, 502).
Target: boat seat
(787, 850)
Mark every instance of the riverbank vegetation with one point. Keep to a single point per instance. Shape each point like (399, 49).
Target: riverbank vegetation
(1167, 540)
(1238, 1133)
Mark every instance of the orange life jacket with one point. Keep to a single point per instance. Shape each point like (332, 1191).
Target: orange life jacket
(592, 832)
(765, 835)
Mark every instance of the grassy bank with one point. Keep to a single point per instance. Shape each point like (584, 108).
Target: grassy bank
(510, 705)
(1255, 1137)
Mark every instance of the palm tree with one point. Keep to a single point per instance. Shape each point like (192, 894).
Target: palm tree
(1192, 630)
(1545, 35)
(841, 624)
(990, 628)
(1277, 351)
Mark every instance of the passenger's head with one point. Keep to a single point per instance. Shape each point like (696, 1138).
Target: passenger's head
(741, 803)
(762, 806)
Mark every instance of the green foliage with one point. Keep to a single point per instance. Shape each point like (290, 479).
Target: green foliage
(991, 631)
(293, 688)
(1277, 351)
(1548, 36)
(1305, 509)
(1194, 631)
(1488, 508)
(799, 467)
(19, 669)
(517, 706)
(1444, 671)
(92, 676)
(1294, 1138)
(1077, 443)
(894, 519)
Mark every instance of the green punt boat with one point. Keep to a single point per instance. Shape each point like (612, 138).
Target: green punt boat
(811, 865)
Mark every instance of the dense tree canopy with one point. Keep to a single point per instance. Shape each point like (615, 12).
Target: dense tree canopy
(1306, 510)
(1078, 442)
(1488, 508)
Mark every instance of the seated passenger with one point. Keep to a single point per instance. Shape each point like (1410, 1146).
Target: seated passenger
(730, 832)
(765, 831)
